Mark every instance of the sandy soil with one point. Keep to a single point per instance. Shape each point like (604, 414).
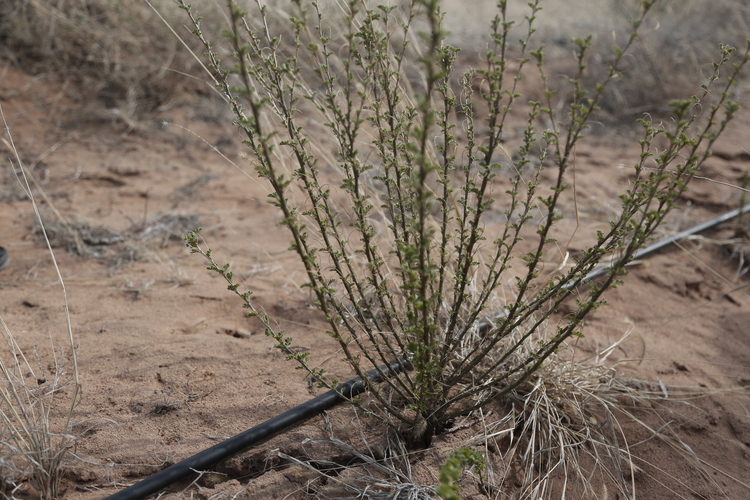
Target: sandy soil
(168, 361)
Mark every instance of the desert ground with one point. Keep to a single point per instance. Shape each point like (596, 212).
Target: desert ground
(169, 364)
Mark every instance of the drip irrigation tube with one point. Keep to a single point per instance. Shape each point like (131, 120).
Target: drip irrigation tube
(673, 239)
(207, 458)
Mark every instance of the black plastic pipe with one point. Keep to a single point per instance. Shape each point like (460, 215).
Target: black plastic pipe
(207, 458)
(672, 239)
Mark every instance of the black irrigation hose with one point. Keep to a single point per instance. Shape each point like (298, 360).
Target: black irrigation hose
(673, 239)
(207, 458)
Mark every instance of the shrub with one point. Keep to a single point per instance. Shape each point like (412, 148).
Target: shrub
(403, 259)
(450, 472)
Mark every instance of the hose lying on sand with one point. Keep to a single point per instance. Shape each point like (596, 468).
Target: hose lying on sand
(674, 238)
(207, 458)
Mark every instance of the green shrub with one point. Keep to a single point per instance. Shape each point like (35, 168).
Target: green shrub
(450, 471)
(402, 258)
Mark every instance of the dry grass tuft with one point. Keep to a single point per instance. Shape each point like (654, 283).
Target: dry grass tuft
(30, 450)
(116, 247)
(557, 430)
(33, 450)
(10, 189)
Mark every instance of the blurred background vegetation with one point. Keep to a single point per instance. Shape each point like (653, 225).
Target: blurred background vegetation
(121, 53)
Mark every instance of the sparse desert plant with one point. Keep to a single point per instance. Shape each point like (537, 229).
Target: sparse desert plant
(33, 449)
(404, 259)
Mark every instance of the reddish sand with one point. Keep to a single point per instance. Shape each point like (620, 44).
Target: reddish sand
(168, 361)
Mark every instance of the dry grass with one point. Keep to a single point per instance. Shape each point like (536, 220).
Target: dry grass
(125, 56)
(33, 449)
(117, 51)
(365, 469)
(10, 189)
(679, 40)
(141, 241)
